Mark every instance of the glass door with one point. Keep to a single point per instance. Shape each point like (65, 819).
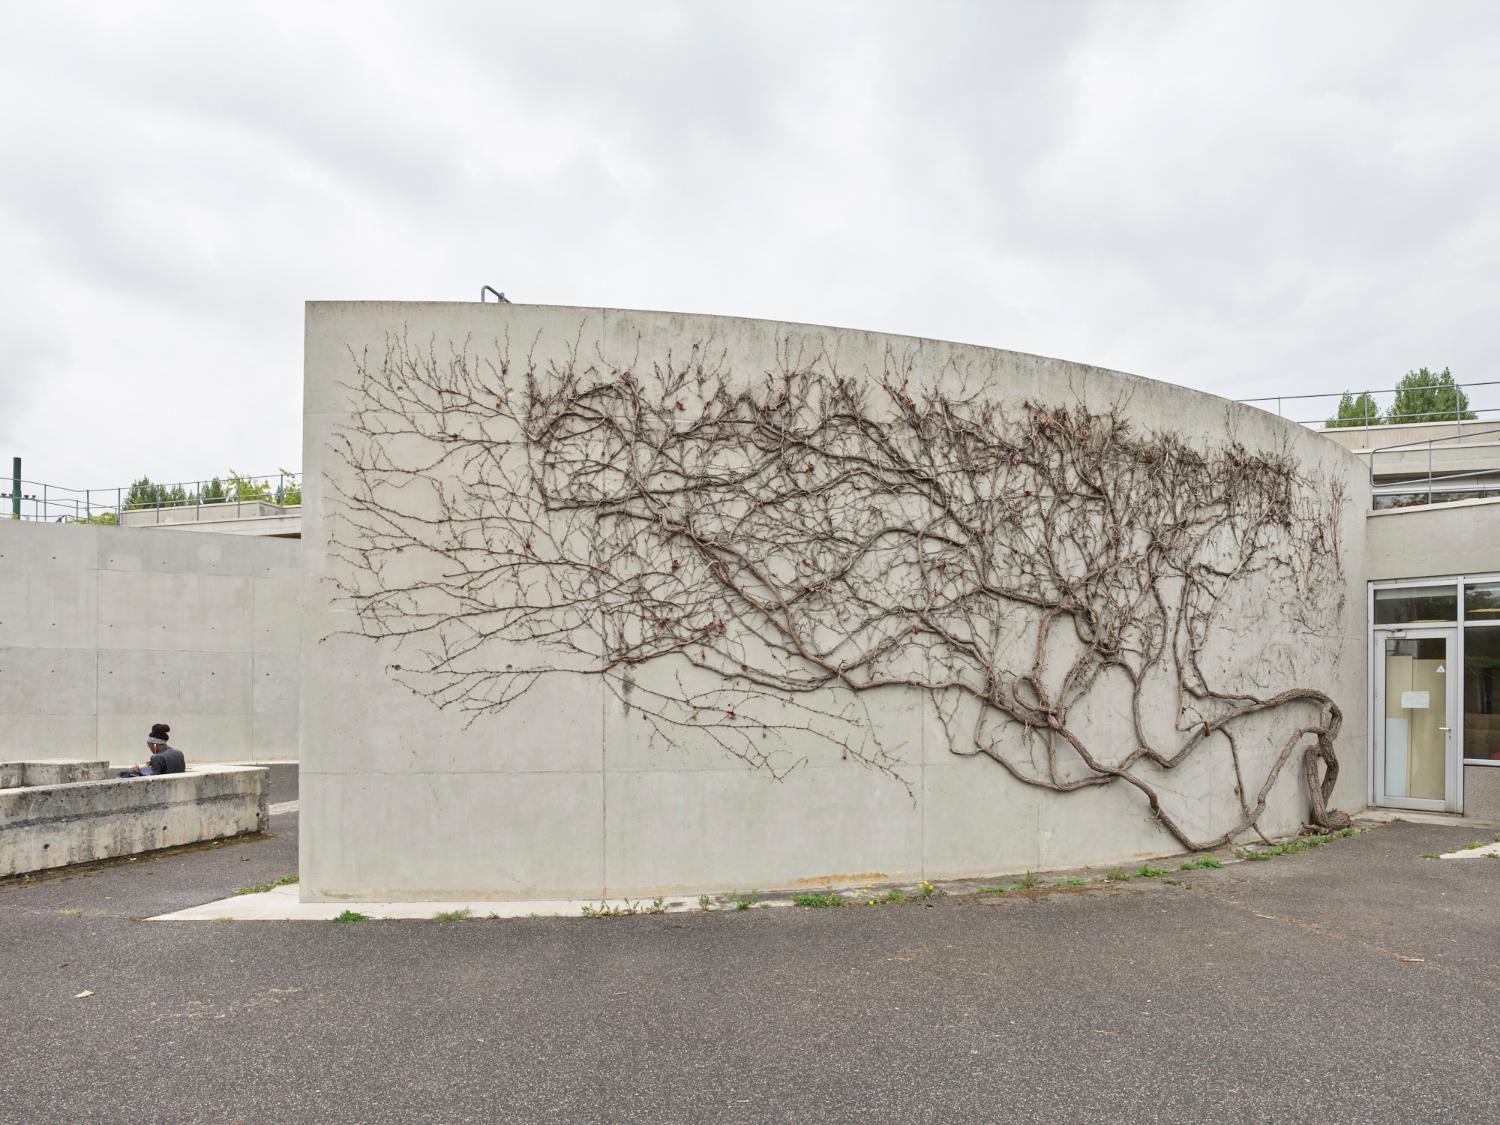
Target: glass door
(1416, 763)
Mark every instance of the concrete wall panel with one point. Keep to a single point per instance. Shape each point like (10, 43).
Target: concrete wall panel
(1482, 792)
(1435, 541)
(538, 836)
(666, 828)
(49, 608)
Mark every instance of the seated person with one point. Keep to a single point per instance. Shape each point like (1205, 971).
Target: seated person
(164, 759)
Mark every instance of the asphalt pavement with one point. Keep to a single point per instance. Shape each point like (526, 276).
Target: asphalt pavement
(1356, 982)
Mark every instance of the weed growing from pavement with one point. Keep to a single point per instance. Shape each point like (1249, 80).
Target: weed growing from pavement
(704, 902)
(1117, 875)
(995, 890)
(626, 909)
(818, 899)
(262, 888)
(925, 889)
(1029, 882)
(1146, 871)
(1198, 863)
(462, 914)
(1470, 847)
(1075, 881)
(1300, 844)
(1430, 855)
(743, 901)
(352, 916)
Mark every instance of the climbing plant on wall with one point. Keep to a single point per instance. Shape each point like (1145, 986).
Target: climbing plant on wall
(752, 560)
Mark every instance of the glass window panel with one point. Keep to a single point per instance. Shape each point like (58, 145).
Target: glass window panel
(1482, 600)
(1481, 690)
(1416, 603)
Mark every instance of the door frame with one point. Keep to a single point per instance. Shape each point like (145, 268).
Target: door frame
(1453, 773)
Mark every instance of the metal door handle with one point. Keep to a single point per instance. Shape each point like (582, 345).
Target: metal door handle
(1445, 728)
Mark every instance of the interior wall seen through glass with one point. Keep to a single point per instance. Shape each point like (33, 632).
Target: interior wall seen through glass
(1481, 687)
(1416, 715)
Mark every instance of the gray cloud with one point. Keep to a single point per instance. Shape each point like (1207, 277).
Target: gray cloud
(1249, 198)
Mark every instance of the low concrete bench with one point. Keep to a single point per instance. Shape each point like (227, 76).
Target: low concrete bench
(53, 771)
(54, 825)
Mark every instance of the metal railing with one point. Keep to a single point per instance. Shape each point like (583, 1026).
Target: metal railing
(51, 503)
(1381, 417)
(1487, 481)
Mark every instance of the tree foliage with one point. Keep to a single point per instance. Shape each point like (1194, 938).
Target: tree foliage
(1425, 396)
(1356, 410)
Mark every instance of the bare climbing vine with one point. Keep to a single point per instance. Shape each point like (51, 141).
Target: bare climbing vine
(755, 561)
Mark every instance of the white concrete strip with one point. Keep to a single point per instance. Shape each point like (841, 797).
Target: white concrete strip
(283, 807)
(283, 904)
(1489, 851)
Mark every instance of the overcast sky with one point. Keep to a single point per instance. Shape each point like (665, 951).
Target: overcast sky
(1248, 198)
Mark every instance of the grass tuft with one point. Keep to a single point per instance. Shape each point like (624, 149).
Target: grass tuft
(262, 888)
(1199, 863)
(1300, 844)
(816, 900)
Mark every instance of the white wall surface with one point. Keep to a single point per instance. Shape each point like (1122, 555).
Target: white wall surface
(106, 630)
(562, 795)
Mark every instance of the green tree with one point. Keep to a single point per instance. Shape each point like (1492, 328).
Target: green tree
(143, 493)
(1423, 396)
(289, 491)
(1355, 410)
(213, 492)
(247, 488)
(146, 493)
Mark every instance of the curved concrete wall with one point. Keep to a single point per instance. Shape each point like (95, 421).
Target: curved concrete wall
(565, 793)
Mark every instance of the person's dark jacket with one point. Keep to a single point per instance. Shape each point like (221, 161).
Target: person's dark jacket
(167, 760)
